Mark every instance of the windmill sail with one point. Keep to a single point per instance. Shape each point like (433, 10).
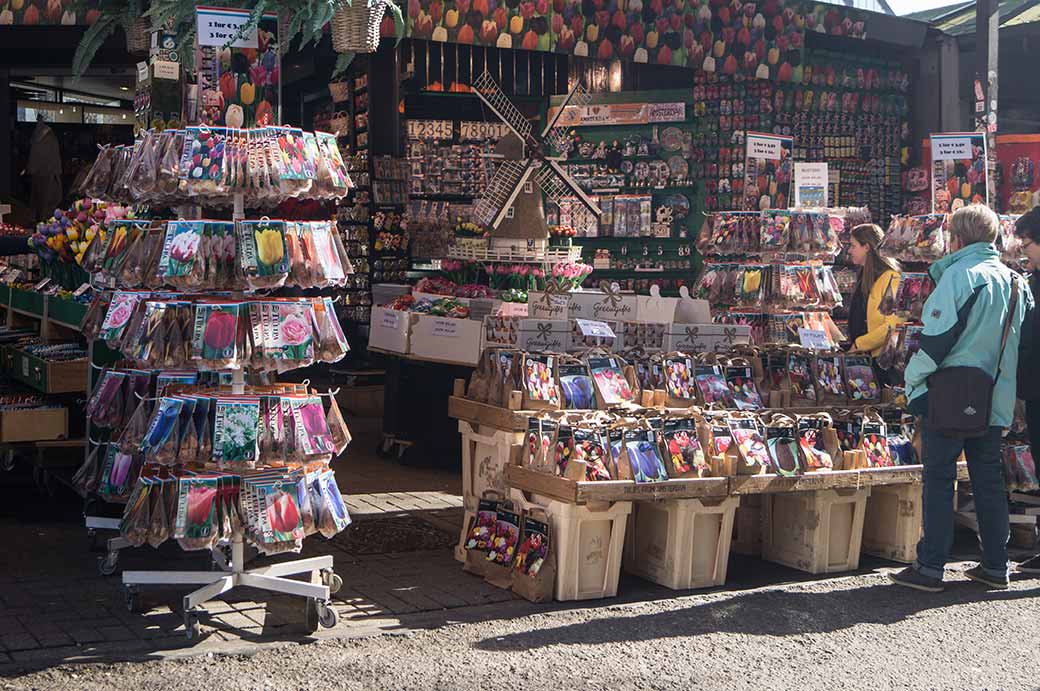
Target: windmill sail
(556, 136)
(556, 183)
(489, 92)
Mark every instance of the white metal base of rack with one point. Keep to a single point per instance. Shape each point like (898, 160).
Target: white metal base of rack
(323, 582)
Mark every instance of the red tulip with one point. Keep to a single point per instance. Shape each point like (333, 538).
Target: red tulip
(220, 330)
(664, 56)
(606, 50)
(200, 504)
(283, 514)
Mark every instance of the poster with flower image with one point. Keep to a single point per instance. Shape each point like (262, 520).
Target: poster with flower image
(767, 173)
(958, 170)
(534, 549)
(238, 85)
(235, 424)
(215, 332)
(506, 537)
(685, 453)
(180, 248)
(610, 380)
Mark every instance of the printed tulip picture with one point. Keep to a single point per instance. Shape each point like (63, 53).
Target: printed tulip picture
(645, 458)
(505, 538)
(235, 431)
(296, 333)
(714, 390)
(270, 248)
(534, 550)
(283, 513)
(216, 340)
(576, 385)
(684, 449)
(479, 537)
(611, 381)
(197, 514)
(182, 246)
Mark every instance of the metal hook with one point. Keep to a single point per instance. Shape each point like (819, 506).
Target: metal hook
(330, 393)
(95, 442)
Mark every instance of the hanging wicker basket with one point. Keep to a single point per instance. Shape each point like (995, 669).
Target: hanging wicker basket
(138, 36)
(355, 27)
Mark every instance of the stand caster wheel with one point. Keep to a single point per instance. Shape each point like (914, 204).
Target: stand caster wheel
(386, 449)
(192, 627)
(319, 613)
(107, 564)
(327, 616)
(332, 580)
(133, 602)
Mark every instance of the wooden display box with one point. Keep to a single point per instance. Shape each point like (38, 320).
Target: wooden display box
(27, 302)
(816, 532)
(37, 424)
(893, 522)
(747, 526)
(50, 377)
(486, 451)
(681, 543)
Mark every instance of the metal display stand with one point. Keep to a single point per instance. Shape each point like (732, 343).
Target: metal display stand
(233, 573)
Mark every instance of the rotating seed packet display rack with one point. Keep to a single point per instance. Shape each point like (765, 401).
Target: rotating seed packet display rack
(204, 458)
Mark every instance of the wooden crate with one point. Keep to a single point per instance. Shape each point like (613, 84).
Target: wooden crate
(747, 526)
(893, 522)
(681, 543)
(588, 540)
(818, 532)
(486, 451)
(36, 424)
(68, 376)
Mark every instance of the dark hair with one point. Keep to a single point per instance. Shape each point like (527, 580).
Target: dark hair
(1028, 225)
(871, 235)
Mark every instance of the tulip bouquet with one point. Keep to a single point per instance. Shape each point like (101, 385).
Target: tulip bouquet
(569, 275)
(561, 236)
(69, 232)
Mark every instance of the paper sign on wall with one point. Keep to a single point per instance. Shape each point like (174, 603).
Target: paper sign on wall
(167, 70)
(959, 174)
(218, 25)
(814, 339)
(767, 171)
(810, 184)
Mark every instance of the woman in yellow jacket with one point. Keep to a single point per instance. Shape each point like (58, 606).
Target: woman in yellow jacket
(878, 276)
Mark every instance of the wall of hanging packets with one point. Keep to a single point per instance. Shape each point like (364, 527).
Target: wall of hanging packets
(714, 407)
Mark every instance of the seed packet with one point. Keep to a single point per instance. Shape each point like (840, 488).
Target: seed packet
(1020, 469)
(721, 437)
(262, 253)
(281, 519)
(590, 447)
(712, 387)
(610, 380)
(292, 149)
(539, 379)
(829, 381)
(859, 376)
(811, 442)
(331, 345)
(505, 539)
(747, 436)
(482, 531)
(874, 442)
(311, 429)
(534, 549)
(800, 376)
(741, 382)
(332, 515)
(196, 508)
(576, 387)
(137, 517)
(679, 376)
(683, 448)
(783, 447)
(644, 456)
(235, 430)
(215, 335)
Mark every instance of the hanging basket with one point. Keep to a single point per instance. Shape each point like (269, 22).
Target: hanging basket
(138, 36)
(355, 27)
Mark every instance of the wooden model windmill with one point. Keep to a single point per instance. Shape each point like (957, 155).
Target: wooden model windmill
(512, 204)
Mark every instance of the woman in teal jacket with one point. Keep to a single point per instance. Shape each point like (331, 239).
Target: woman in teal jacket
(963, 324)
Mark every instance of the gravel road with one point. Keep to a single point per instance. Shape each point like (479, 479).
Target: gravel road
(856, 632)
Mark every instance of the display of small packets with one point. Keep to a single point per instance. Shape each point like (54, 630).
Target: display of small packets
(741, 382)
(685, 454)
(811, 442)
(590, 447)
(750, 443)
(860, 379)
(482, 531)
(262, 253)
(576, 388)
(610, 380)
(215, 335)
(712, 387)
(534, 549)
(874, 442)
(505, 539)
(644, 455)
(679, 376)
(783, 448)
(539, 378)
(235, 427)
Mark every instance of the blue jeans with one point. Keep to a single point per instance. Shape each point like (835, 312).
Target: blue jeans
(987, 485)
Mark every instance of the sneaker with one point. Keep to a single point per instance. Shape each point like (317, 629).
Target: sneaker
(1030, 565)
(912, 578)
(979, 575)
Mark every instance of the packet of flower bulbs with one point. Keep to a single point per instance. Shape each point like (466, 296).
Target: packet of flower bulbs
(328, 258)
(331, 345)
(775, 231)
(120, 309)
(538, 378)
(332, 165)
(782, 444)
(679, 374)
(874, 441)
(281, 520)
(235, 424)
(749, 445)
(137, 515)
(214, 342)
(1020, 468)
(202, 160)
(740, 377)
(332, 513)
(197, 511)
(311, 429)
(505, 538)
(683, 450)
(641, 456)
(263, 258)
(541, 433)
(576, 387)
(860, 380)
(105, 406)
(801, 381)
(612, 387)
(183, 260)
(711, 385)
(534, 572)
(830, 382)
(159, 444)
(481, 530)
(589, 451)
(818, 442)
(289, 334)
(118, 474)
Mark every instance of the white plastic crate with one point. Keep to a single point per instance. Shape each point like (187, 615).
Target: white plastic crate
(818, 532)
(588, 540)
(893, 522)
(681, 543)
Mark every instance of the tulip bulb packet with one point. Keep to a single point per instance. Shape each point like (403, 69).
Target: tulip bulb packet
(197, 508)
(751, 446)
(159, 443)
(235, 428)
(281, 520)
(576, 387)
(120, 309)
(721, 437)
(202, 159)
(539, 379)
(800, 376)
(644, 455)
(811, 441)
(684, 450)
(679, 377)
(741, 381)
(215, 335)
(331, 512)
(117, 476)
(534, 549)
(311, 428)
(782, 444)
(859, 377)
(483, 528)
(609, 377)
(874, 442)
(829, 381)
(262, 252)
(181, 252)
(506, 538)
(713, 388)
(540, 435)
(590, 447)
